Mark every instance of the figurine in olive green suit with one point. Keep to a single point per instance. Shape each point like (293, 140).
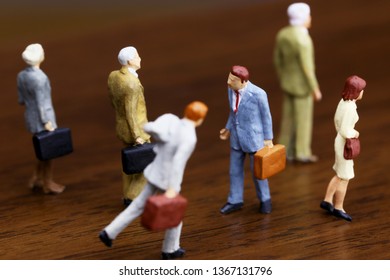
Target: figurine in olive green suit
(294, 62)
(127, 97)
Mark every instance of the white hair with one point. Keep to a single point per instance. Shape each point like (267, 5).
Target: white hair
(298, 13)
(33, 54)
(126, 54)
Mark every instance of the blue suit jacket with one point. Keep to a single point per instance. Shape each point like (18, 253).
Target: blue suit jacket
(252, 124)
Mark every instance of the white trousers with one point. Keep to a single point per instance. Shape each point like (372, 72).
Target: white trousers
(134, 210)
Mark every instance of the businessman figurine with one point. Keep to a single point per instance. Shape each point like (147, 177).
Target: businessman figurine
(249, 127)
(34, 92)
(175, 141)
(127, 97)
(294, 63)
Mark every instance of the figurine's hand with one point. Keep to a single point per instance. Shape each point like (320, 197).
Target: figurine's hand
(139, 141)
(357, 134)
(268, 143)
(317, 94)
(170, 193)
(49, 126)
(224, 134)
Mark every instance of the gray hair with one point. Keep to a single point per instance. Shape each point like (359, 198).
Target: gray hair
(33, 54)
(298, 13)
(126, 54)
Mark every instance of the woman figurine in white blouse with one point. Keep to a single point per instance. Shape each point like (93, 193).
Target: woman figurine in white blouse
(345, 119)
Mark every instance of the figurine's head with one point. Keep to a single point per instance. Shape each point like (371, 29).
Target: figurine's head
(238, 77)
(196, 111)
(353, 88)
(299, 14)
(129, 57)
(33, 55)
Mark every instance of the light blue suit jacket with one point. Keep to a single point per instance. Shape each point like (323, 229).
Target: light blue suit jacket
(252, 124)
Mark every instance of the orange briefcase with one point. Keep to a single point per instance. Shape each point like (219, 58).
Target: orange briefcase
(269, 161)
(162, 212)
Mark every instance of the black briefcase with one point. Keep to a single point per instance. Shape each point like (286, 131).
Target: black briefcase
(52, 144)
(136, 158)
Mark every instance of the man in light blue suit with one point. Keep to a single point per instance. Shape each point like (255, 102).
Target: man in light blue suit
(250, 128)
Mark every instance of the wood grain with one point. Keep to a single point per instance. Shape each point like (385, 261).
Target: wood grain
(186, 54)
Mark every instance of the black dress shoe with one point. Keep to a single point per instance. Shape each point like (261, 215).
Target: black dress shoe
(341, 214)
(231, 207)
(174, 255)
(327, 206)
(266, 207)
(105, 239)
(127, 202)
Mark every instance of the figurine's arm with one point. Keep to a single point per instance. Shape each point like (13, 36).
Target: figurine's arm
(179, 162)
(42, 93)
(224, 133)
(131, 101)
(20, 95)
(266, 119)
(347, 124)
(306, 56)
(278, 60)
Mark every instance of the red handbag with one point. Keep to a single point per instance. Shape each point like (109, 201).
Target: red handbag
(351, 148)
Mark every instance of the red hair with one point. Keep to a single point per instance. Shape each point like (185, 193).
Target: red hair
(240, 72)
(195, 111)
(352, 88)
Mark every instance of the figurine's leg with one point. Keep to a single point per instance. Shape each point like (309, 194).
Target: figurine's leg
(49, 186)
(36, 180)
(132, 185)
(172, 239)
(303, 117)
(134, 210)
(341, 190)
(262, 187)
(236, 194)
(331, 189)
(287, 129)
(262, 190)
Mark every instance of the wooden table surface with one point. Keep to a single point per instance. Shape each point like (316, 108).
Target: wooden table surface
(187, 50)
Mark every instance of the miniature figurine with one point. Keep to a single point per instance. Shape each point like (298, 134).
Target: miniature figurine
(175, 141)
(249, 127)
(345, 119)
(127, 97)
(294, 63)
(34, 92)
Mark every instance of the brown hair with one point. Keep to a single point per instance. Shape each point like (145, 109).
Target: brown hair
(195, 111)
(352, 88)
(240, 72)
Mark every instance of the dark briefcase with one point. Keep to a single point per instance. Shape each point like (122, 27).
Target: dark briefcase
(269, 161)
(351, 148)
(52, 144)
(162, 212)
(136, 158)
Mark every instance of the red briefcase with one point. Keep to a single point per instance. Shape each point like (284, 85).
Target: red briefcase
(269, 161)
(162, 212)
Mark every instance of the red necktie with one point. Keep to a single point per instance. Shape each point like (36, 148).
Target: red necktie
(237, 100)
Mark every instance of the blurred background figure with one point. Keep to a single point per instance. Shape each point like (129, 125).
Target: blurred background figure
(294, 63)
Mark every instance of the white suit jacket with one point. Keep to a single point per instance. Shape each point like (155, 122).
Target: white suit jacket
(175, 141)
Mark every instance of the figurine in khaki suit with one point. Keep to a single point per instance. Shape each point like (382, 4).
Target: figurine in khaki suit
(127, 97)
(294, 63)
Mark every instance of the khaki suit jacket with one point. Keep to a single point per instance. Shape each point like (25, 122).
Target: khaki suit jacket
(127, 97)
(294, 61)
